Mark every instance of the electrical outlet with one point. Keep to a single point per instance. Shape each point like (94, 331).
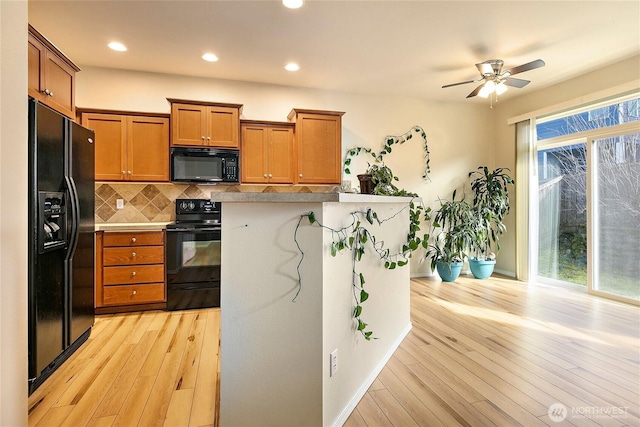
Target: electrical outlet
(333, 360)
(119, 203)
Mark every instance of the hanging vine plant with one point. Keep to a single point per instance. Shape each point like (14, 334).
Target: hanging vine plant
(355, 238)
(378, 158)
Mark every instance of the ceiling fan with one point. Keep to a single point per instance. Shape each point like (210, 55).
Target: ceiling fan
(495, 80)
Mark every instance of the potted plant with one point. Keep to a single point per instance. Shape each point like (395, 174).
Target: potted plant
(453, 233)
(378, 178)
(490, 205)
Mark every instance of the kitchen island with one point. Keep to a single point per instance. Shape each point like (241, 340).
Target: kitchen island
(277, 337)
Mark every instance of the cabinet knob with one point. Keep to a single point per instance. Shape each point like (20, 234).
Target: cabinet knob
(265, 175)
(122, 172)
(50, 93)
(208, 138)
(133, 254)
(300, 175)
(129, 172)
(134, 292)
(270, 176)
(133, 273)
(202, 137)
(133, 240)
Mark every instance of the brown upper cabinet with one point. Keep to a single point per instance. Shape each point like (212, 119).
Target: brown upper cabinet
(204, 124)
(267, 152)
(129, 146)
(318, 145)
(51, 74)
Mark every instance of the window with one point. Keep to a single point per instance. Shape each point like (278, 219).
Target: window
(588, 198)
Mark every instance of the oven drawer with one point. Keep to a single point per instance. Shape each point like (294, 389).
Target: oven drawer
(133, 274)
(133, 294)
(132, 256)
(138, 238)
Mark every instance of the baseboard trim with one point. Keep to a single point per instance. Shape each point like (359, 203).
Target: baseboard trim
(353, 402)
(508, 273)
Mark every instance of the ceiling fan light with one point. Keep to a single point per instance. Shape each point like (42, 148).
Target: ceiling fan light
(501, 88)
(490, 85)
(485, 92)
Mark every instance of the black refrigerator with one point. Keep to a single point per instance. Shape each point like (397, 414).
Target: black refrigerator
(61, 239)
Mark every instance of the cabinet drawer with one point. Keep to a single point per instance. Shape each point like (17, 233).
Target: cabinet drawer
(133, 294)
(133, 256)
(142, 238)
(133, 274)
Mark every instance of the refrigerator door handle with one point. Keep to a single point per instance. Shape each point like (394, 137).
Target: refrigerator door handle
(75, 217)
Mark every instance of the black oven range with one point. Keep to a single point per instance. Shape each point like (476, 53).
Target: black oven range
(193, 255)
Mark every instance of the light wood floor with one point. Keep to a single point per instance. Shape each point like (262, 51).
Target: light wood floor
(490, 352)
(499, 352)
(140, 369)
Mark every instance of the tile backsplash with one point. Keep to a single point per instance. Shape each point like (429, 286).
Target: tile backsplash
(146, 202)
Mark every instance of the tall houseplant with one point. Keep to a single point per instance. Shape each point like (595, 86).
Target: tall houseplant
(491, 204)
(453, 232)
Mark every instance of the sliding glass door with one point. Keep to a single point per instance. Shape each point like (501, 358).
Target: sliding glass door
(588, 200)
(562, 213)
(616, 214)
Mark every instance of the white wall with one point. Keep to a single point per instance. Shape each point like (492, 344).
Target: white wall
(571, 92)
(386, 312)
(460, 134)
(275, 352)
(13, 213)
(271, 347)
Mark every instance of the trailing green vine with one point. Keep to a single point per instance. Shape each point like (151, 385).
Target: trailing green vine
(389, 142)
(355, 237)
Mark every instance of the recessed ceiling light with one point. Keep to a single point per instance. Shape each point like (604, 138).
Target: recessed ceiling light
(292, 67)
(292, 4)
(209, 57)
(117, 46)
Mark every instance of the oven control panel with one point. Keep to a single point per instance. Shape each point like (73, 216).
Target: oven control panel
(192, 206)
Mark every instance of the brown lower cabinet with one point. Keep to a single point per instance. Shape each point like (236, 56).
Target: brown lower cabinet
(130, 271)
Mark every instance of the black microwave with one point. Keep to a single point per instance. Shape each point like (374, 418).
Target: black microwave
(204, 165)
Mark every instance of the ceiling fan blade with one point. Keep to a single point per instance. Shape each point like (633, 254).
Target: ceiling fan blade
(459, 83)
(475, 92)
(519, 83)
(525, 67)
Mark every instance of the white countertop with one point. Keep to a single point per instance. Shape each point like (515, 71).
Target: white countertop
(130, 226)
(305, 198)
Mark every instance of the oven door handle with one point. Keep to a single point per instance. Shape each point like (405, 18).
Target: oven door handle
(194, 229)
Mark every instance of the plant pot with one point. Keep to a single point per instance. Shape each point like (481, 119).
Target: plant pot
(366, 185)
(448, 271)
(481, 269)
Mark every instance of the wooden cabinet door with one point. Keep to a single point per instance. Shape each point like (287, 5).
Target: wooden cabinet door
(59, 81)
(110, 154)
(148, 148)
(188, 124)
(50, 79)
(319, 146)
(254, 154)
(280, 155)
(222, 123)
(36, 59)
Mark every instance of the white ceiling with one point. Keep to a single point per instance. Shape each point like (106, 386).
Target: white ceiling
(374, 47)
